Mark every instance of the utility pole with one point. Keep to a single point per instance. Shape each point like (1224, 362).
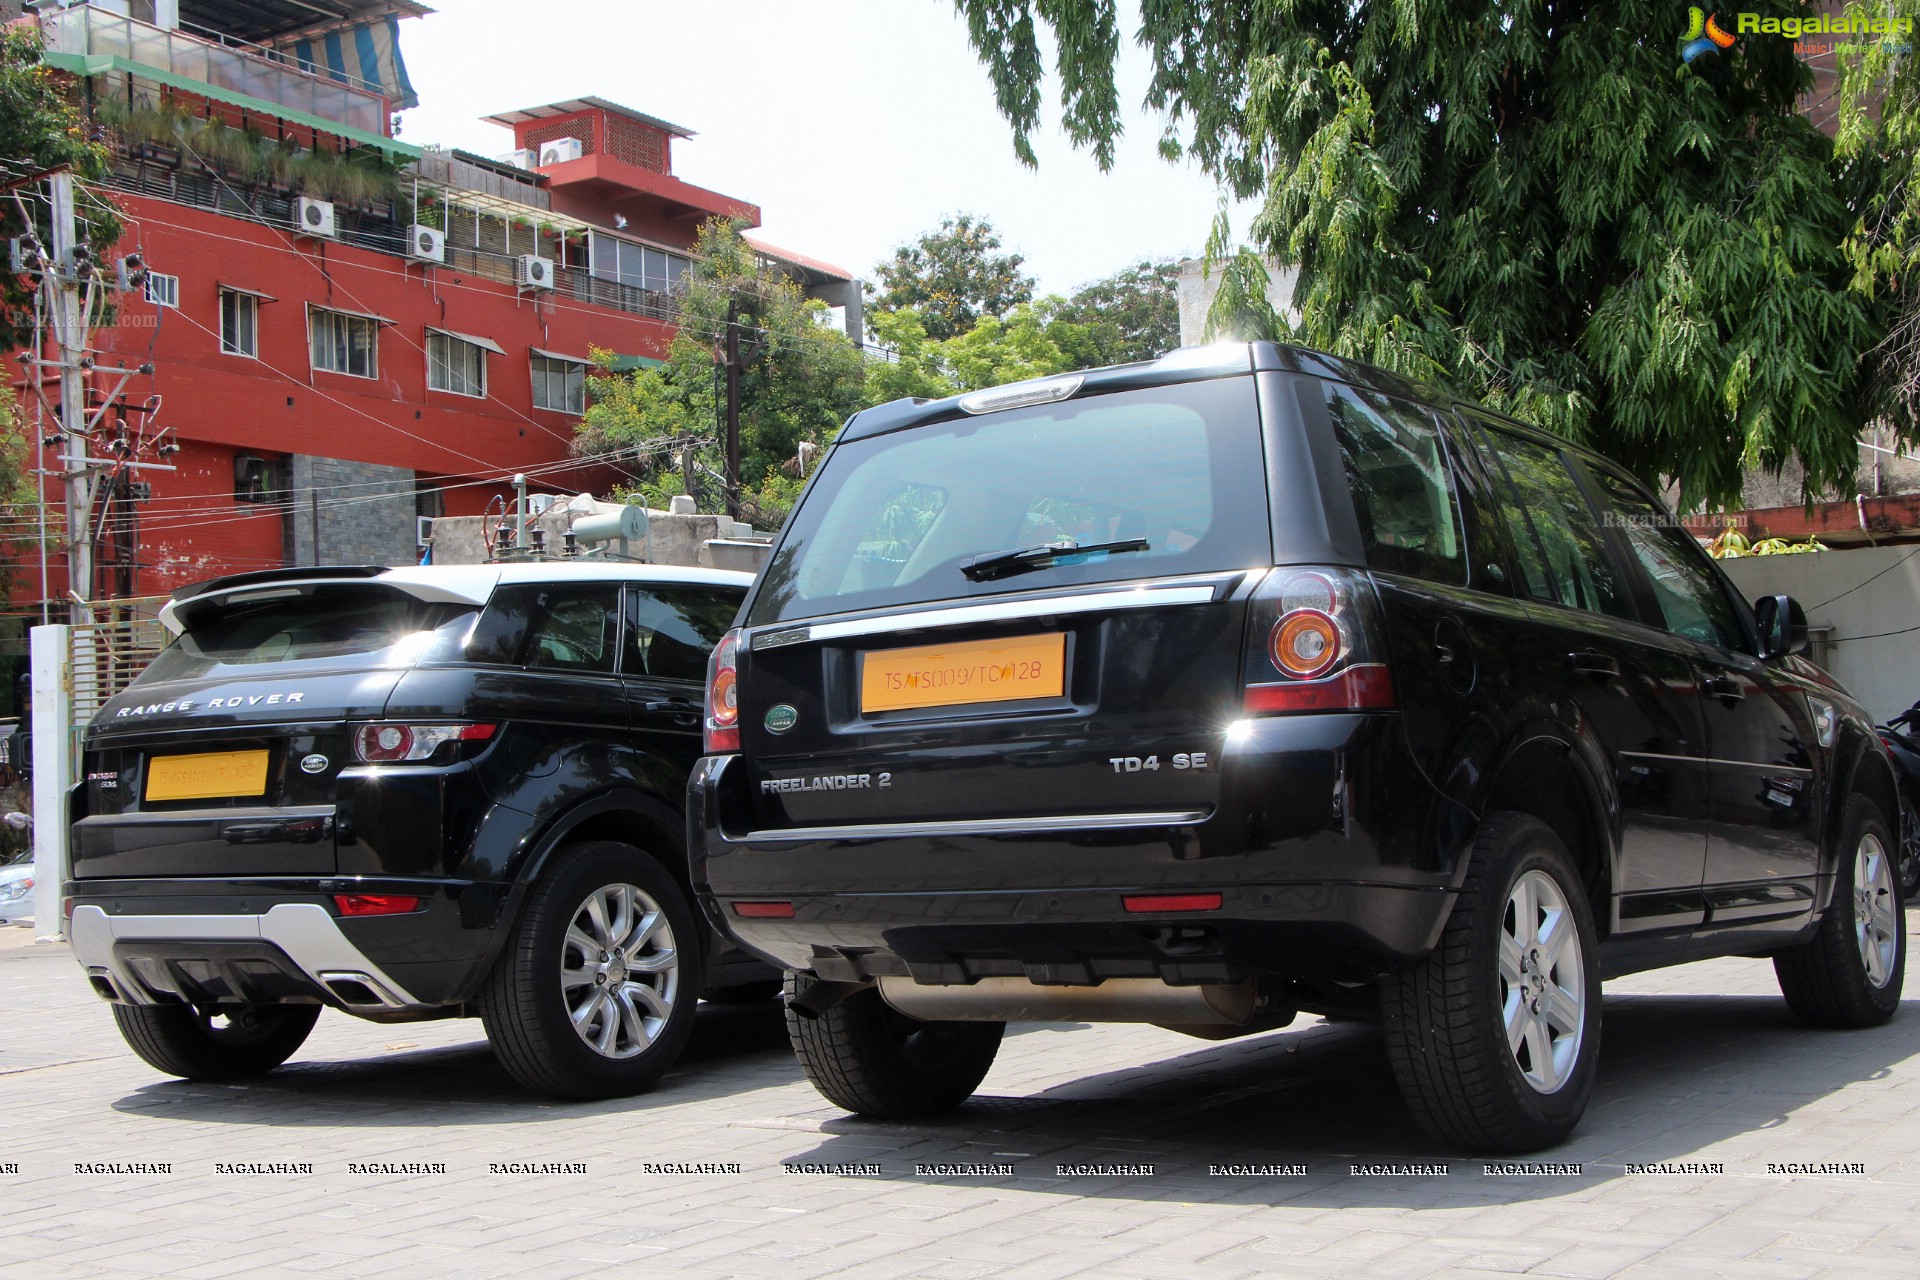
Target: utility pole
(733, 408)
(69, 275)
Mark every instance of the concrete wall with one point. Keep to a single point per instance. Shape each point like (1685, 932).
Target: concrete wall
(1197, 290)
(376, 527)
(693, 541)
(1879, 669)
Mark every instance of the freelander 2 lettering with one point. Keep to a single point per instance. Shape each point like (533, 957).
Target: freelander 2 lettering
(828, 782)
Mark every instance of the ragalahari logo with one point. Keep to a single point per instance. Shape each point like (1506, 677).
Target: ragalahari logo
(1703, 35)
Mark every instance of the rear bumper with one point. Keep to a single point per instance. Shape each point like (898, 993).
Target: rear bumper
(279, 942)
(1334, 860)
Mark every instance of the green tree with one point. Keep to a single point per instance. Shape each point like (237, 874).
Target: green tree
(1878, 142)
(1030, 341)
(799, 381)
(1133, 314)
(1539, 205)
(954, 277)
(40, 129)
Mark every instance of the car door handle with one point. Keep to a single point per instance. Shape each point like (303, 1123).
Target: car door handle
(1726, 688)
(1589, 663)
(678, 708)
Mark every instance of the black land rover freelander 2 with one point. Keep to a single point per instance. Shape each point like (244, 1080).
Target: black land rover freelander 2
(1250, 681)
(406, 794)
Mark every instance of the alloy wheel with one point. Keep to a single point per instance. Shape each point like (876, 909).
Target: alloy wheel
(1876, 922)
(1543, 983)
(619, 970)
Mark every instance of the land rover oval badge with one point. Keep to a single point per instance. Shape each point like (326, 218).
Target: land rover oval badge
(781, 717)
(315, 763)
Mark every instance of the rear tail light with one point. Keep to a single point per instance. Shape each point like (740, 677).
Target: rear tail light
(375, 904)
(1315, 643)
(764, 910)
(395, 743)
(1155, 903)
(723, 695)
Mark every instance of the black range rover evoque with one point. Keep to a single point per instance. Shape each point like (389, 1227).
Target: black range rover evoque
(1249, 681)
(409, 793)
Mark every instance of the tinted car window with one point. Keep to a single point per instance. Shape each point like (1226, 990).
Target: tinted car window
(1402, 489)
(1692, 602)
(546, 626)
(892, 518)
(670, 630)
(1567, 561)
(310, 629)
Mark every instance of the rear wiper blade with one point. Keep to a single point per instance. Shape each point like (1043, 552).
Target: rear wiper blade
(1004, 564)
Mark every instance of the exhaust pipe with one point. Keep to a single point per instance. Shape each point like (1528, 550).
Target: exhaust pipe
(1114, 1000)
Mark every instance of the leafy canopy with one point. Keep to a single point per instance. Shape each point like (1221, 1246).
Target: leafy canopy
(1537, 205)
(1133, 314)
(954, 277)
(799, 381)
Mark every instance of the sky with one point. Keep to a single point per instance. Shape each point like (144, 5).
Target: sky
(855, 125)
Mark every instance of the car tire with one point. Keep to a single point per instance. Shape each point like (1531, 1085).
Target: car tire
(1849, 973)
(1495, 1037)
(743, 993)
(867, 1057)
(182, 1041)
(594, 995)
(1909, 850)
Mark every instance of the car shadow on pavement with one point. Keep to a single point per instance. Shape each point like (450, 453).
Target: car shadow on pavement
(1679, 1076)
(733, 1047)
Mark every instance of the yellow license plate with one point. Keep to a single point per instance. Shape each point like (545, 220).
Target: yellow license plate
(945, 675)
(208, 775)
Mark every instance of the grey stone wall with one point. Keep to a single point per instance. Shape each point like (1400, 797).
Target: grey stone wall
(365, 513)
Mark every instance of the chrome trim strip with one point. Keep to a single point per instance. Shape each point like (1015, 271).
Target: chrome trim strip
(304, 930)
(998, 611)
(1758, 766)
(984, 826)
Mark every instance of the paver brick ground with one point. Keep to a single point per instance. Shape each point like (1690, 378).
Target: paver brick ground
(1701, 1065)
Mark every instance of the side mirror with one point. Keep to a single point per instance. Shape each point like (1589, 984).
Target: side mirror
(1783, 626)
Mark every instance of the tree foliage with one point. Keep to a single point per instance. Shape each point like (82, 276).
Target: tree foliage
(1031, 341)
(799, 381)
(1878, 143)
(1133, 314)
(1538, 205)
(40, 129)
(954, 277)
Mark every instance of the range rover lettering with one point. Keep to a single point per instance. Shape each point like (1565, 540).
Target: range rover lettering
(408, 794)
(1253, 681)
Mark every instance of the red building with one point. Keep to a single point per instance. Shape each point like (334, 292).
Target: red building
(347, 330)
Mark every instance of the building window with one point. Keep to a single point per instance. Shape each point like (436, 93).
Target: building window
(560, 385)
(163, 291)
(638, 265)
(455, 365)
(345, 343)
(239, 323)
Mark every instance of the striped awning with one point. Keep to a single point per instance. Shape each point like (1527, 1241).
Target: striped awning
(365, 55)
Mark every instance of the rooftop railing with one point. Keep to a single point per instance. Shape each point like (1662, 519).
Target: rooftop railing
(85, 30)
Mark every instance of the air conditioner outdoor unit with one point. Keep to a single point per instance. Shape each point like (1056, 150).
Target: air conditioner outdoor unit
(561, 150)
(314, 218)
(427, 244)
(525, 159)
(535, 272)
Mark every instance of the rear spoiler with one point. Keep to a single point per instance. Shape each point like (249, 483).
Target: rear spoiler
(311, 573)
(176, 612)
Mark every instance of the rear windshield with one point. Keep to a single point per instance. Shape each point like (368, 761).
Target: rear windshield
(353, 627)
(892, 519)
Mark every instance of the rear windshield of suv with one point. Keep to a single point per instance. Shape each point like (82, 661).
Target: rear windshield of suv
(892, 519)
(353, 626)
